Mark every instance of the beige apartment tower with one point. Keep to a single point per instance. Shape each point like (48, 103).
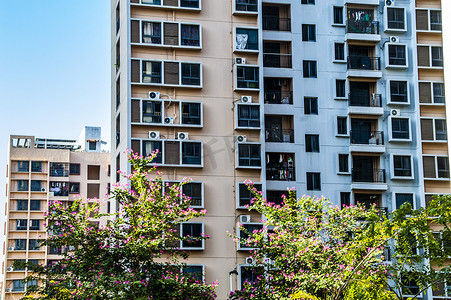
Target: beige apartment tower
(41, 170)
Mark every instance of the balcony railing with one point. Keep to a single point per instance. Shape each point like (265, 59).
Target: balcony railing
(364, 99)
(280, 136)
(276, 23)
(278, 97)
(277, 60)
(362, 27)
(280, 173)
(368, 175)
(364, 63)
(363, 138)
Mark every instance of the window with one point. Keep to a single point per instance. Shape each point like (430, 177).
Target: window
(20, 244)
(194, 191)
(338, 15)
(92, 145)
(197, 272)
(33, 244)
(442, 167)
(311, 143)
(189, 3)
(244, 233)
(398, 91)
(59, 169)
(439, 92)
(345, 198)
(190, 74)
(74, 169)
(440, 130)
(313, 181)
(191, 113)
(310, 105)
(342, 125)
(249, 155)
(248, 275)
(400, 128)
(55, 250)
(19, 268)
(307, 1)
(309, 69)
(35, 224)
(396, 18)
(36, 166)
(35, 185)
(433, 130)
(402, 165)
(31, 283)
(151, 72)
(248, 115)
(397, 55)
(151, 111)
(437, 56)
(151, 146)
(22, 204)
(339, 51)
(59, 189)
(436, 167)
(247, 77)
(22, 185)
(246, 39)
(23, 166)
(340, 88)
(436, 19)
(246, 5)
(343, 163)
(74, 187)
(245, 195)
(190, 35)
(93, 190)
(35, 205)
(308, 33)
(190, 233)
(409, 284)
(93, 172)
(191, 153)
(21, 224)
(403, 198)
(151, 32)
(18, 285)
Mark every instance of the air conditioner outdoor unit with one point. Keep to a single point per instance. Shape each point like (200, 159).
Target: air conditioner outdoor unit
(8, 290)
(390, 2)
(154, 95)
(394, 39)
(241, 138)
(395, 112)
(240, 61)
(168, 120)
(245, 218)
(249, 260)
(246, 99)
(43, 189)
(10, 248)
(9, 269)
(154, 135)
(182, 135)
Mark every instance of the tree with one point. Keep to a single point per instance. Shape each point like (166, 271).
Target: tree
(309, 249)
(136, 255)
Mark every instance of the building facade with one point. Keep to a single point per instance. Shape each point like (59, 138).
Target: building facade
(328, 97)
(40, 171)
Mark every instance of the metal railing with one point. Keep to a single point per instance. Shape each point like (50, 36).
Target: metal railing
(278, 97)
(280, 136)
(369, 63)
(362, 27)
(276, 23)
(281, 173)
(368, 175)
(364, 99)
(277, 60)
(371, 138)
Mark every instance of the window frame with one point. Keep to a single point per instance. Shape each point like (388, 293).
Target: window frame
(311, 100)
(202, 231)
(434, 129)
(74, 173)
(308, 2)
(342, 24)
(389, 94)
(436, 178)
(240, 272)
(244, 248)
(387, 57)
(306, 65)
(246, 50)
(247, 88)
(339, 172)
(431, 60)
(188, 182)
(237, 112)
(194, 265)
(243, 12)
(390, 129)
(238, 193)
(313, 185)
(337, 133)
(312, 145)
(429, 19)
(178, 7)
(387, 22)
(237, 156)
(341, 61)
(346, 88)
(309, 36)
(432, 95)
(394, 202)
(392, 164)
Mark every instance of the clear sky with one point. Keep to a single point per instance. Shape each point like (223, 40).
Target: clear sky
(54, 69)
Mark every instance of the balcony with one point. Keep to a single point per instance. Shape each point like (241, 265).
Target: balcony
(364, 66)
(361, 26)
(364, 140)
(365, 103)
(279, 129)
(278, 91)
(276, 17)
(277, 55)
(368, 179)
(280, 167)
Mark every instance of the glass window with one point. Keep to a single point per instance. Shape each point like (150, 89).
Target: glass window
(409, 285)
(248, 274)
(21, 224)
(151, 32)
(153, 2)
(191, 153)
(36, 186)
(74, 169)
(247, 231)
(339, 51)
(248, 115)
(19, 268)
(310, 105)
(191, 113)
(342, 125)
(343, 163)
(309, 69)
(18, 285)
(402, 165)
(398, 91)
(436, 20)
(33, 244)
(338, 15)
(35, 224)
(151, 111)
(308, 33)
(246, 39)
(22, 185)
(59, 189)
(245, 195)
(442, 167)
(189, 3)
(151, 72)
(400, 128)
(311, 143)
(59, 169)
(404, 198)
(74, 187)
(23, 166)
(246, 5)
(22, 204)
(194, 191)
(437, 56)
(345, 198)
(395, 17)
(92, 146)
(247, 77)
(439, 92)
(249, 155)
(307, 1)
(440, 130)
(190, 74)
(20, 244)
(340, 88)
(191, 231)
(36, 166)
(151, 146)
(194, 271)
(397, 55)
(35, 205)
(190, 35)
(313, 181)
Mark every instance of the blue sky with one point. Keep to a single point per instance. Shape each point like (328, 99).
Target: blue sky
(54, 69)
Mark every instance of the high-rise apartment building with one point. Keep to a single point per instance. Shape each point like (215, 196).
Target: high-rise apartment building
(39, 171)
(333, 97)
